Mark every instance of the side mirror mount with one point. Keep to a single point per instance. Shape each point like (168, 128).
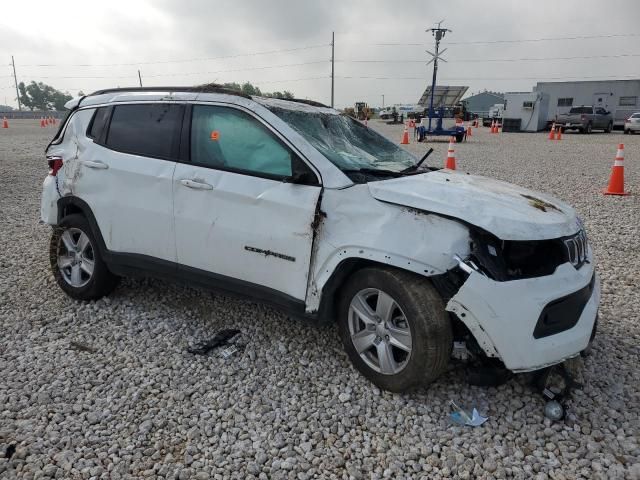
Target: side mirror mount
(301, 174)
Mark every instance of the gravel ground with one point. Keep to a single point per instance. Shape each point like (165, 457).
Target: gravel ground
(107, 389)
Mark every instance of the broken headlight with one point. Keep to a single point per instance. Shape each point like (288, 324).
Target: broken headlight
(504, 260)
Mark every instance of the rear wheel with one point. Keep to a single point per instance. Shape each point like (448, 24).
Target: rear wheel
(609, 128)
(76, 262)
(589, 128)
(395, 329)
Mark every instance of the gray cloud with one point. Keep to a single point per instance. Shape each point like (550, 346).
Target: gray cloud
(177, 30)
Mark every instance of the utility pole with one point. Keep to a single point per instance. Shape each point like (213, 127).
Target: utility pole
(333, 44)
(140, 78)
(15, 79)
(383, 100)
(439, 34)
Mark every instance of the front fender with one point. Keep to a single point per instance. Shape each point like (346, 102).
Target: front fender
(357, 226)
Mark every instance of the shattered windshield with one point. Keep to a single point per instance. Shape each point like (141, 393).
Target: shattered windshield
(347, 143)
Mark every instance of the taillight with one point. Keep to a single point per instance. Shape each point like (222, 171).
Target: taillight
(55, 164)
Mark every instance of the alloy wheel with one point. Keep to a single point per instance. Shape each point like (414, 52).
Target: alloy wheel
(76, 260)
(380, 331)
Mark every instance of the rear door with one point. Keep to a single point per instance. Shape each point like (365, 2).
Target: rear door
(239, 220)
(126, 176)
(602, 119)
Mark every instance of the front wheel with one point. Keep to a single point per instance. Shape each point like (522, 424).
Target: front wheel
(76, 262)
(609, 128)
(395, 328)
(589, 128)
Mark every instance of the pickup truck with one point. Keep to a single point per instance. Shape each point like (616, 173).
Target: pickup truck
(585, 119)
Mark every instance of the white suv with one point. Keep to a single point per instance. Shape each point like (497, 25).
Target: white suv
(293, 204)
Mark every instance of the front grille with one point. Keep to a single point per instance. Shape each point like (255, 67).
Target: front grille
(576, 248)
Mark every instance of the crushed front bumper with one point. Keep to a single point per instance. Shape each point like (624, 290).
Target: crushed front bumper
(531, 323)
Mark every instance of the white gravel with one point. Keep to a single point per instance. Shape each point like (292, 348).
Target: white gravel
(136, 404)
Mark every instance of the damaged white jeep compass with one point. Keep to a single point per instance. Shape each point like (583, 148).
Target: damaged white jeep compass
(296, 205)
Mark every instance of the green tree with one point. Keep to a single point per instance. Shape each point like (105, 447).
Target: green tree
(39, 96)
(248, 89)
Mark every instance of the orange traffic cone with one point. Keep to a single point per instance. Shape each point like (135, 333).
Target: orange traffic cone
(559, 135)
(5, 124)
(552, 132)
(405, 136)
(616, 181)
(451, 157)
(42, 124)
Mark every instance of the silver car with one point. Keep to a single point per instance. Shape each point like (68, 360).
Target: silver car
(632, 124)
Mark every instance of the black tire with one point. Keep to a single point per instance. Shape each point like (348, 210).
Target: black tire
(609, 128)
(627, 131)
(589, 128)
(427, 319)
(101, 282)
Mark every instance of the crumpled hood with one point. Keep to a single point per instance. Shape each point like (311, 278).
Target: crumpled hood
(508, 211)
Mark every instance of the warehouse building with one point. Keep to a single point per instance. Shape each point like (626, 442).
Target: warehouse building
(480, 103)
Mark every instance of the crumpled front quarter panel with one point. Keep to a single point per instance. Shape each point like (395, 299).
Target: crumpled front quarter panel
(355, 225)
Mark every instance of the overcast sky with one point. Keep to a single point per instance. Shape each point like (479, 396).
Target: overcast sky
(180, 42)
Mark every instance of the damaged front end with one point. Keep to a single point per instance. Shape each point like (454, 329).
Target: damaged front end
(530, 304)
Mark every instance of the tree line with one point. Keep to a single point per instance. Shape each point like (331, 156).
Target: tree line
(40, 96)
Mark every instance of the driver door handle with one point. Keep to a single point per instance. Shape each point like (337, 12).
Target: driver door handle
(195, 184)
(97, 164)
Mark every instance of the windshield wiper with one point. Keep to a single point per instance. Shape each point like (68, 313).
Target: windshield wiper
(373, 171)
(415, 167)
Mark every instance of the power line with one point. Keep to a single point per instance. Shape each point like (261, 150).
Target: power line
(181, 74)
(476, 60)
(204, 59)
(524, 40)
(295, 80)
(491, 78)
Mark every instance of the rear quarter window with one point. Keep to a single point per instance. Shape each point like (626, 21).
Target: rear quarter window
(151, 130)
(98, 123)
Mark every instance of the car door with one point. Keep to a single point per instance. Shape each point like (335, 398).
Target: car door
(241, 220)
(602, 119)
(126, 174)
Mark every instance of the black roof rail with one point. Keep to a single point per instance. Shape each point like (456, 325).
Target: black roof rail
(206, 88)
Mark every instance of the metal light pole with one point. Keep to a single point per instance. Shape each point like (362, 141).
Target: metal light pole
(383, 101)
(15, 79)
(333, 44)
(439, 34)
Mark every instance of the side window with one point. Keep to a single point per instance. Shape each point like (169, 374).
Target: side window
(229, 139)
(151, 130)
(98, 123)
(628, 101)
(565, 102)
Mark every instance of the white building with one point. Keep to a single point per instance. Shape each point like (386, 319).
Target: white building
(620, 97)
